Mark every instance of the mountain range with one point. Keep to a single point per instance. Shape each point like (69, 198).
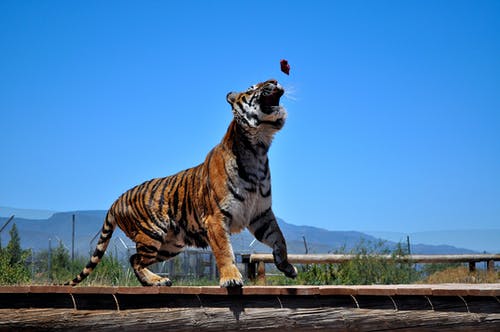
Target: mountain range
(36, 227)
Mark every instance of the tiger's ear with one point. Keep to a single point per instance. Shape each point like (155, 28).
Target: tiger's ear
(231, 97)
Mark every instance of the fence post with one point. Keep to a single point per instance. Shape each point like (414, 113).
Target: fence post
(49, 261)
(171, 269)
(213, 268)
(250, 267)
(73, 240)
(491, 266)
(261, 273)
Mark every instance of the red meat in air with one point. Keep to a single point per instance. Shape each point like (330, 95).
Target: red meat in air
(285, 67)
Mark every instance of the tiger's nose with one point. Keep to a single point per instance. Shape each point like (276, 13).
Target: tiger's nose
(273, 81)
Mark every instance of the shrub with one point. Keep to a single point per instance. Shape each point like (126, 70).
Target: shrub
(13, 261)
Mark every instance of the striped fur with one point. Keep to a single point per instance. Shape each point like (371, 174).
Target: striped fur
(203, 205)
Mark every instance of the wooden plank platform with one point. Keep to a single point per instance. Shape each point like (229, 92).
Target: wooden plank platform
(403, 289)
(452, 307)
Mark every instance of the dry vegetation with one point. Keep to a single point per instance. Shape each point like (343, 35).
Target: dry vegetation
(461, 274)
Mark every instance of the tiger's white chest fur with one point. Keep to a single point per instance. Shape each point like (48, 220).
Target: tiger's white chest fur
(250, 192)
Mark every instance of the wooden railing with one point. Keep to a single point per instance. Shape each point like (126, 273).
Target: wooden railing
(255, 263)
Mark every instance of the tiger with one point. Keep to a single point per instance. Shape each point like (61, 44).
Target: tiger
(203, 205)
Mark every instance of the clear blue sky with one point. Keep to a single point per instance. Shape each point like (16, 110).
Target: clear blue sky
(394, 106)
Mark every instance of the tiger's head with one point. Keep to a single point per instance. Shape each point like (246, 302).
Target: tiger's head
(259, 106)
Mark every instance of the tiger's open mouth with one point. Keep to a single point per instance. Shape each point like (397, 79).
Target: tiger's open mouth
(270, 98)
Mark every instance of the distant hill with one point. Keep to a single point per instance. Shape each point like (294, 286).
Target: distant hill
(35, 233)
(480, 240)
(25, 213)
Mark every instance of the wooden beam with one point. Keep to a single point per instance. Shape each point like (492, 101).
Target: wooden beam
(241, 318)
(334, 258)
(493, 289)
(448, 307)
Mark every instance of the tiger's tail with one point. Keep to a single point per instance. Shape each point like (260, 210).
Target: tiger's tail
(106, 232)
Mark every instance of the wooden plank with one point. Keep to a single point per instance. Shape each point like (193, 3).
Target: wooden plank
(377, 290)
(452, 258)
(466, 289)
(42, 289)
(338, 290)
(304, 259)
(136, 290)
(85, 290)
(216, 290)
(422, 290)
(14, 289)
(335, 258)
(232, 319)
(448, 290)
(261, 290)
(299, 290)
(411, 289)
(180, 290)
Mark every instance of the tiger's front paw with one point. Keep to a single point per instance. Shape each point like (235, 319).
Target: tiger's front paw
(289, 270)
(230, 277)
(292, 273)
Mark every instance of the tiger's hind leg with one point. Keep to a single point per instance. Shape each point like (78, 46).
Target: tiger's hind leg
(145, 256)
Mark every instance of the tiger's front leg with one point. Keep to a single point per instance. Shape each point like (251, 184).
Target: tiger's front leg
(218, 238)
(265, 229)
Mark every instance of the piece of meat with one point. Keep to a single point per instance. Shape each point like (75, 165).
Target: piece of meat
(285, 67)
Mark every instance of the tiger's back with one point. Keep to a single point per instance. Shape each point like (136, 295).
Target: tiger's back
(163, 207)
